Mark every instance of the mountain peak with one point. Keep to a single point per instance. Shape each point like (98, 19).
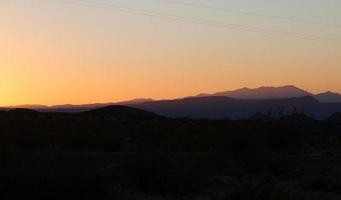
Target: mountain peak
(244, 88)
(328, 97)
(329, 93)
(265, 92)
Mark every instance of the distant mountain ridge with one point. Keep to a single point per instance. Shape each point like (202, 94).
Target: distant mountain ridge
(264, 93)
(210, 107)
(79, 108)
(330, 97)
(236, 104)
(219, 107)
(287, 91)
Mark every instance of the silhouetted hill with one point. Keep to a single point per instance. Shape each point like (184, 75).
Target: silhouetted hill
(218, 107)
(98, 105)
(263, 93)
(135, 101)
(70, 108)
(241, 103)
(22, 112)
(121, 112)
(328, 97)
(215, 107)
(29, 106)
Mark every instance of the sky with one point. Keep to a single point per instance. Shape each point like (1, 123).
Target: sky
(87, 51)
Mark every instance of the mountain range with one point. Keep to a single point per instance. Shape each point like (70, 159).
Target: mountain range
(218, 107)
(236, 104)
(288, 91)
(263, 93)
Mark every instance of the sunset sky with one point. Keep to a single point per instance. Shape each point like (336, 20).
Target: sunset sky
(60, 51)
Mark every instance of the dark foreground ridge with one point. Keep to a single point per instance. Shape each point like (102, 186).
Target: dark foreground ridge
(119, 152)
(236, 104)
(216, 107)
(220, 107)
(118, 111)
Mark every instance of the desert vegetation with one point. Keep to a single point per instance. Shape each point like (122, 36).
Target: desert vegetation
(124, 153)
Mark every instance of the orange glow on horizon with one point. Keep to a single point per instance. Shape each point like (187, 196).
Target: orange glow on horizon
(55, 54)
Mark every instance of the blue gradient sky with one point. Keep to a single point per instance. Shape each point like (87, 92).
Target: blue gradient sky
(53, 52)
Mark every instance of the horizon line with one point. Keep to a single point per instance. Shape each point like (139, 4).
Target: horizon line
(153, 99)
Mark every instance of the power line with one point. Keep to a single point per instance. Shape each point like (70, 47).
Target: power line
(119, 8)
(253, 14)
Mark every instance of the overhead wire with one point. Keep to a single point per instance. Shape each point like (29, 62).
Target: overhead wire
(243, 12)
(162, 15)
